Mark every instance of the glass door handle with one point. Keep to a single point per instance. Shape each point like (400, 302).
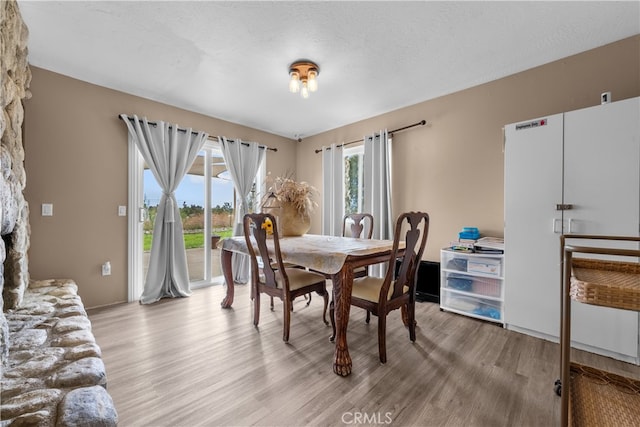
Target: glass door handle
(142, 214)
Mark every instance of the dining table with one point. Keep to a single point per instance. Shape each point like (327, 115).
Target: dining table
(331, 255)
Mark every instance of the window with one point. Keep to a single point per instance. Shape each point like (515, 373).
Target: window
(353, 179)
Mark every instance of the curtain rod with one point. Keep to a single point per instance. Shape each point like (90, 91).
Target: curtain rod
(212, 138)
(420, 123)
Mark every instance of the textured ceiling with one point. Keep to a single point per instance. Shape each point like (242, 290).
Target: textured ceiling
(230, 59)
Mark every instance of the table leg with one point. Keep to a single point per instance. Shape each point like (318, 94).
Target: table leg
(225, 262)
(342, 285)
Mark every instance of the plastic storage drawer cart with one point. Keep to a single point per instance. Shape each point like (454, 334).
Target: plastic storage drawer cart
(472, 284)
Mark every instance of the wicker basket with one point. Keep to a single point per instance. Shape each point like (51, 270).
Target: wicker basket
(606, 283)
(600, 398)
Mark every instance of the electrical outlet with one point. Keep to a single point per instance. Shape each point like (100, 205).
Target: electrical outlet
(106, 269)
(122, 211)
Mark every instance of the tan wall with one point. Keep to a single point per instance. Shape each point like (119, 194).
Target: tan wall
(453, 169)
(76, 159)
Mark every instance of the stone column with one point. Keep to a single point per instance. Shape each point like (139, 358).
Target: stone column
(15, 77)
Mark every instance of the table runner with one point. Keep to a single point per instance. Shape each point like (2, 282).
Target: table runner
(322, 253)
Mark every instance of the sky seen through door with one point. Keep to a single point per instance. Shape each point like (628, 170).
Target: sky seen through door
(190, 191)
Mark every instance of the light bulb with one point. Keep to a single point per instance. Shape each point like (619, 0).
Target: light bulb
(305, 90)
(313, 81)
(294, 83)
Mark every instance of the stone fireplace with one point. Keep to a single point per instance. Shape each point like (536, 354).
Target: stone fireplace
(51, 370)
(15, 78)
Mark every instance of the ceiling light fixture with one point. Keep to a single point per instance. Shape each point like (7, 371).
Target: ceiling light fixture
(303, 77)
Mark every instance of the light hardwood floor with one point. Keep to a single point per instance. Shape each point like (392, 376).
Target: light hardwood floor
(187, 362)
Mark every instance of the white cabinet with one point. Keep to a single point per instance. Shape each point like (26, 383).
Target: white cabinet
(575, 172)
(472, 284)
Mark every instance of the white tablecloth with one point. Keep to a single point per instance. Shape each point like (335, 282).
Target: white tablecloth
(321, 253)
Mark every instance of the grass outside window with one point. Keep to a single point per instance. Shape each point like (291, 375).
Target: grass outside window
(192, 240)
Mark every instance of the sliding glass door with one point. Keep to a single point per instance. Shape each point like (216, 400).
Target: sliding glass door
(207, 203)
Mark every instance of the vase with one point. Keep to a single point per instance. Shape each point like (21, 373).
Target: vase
(291, 222)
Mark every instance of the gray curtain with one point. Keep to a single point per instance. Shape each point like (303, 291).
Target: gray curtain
(169, 153)
(377, 188)
(332, 190)
(243, 159)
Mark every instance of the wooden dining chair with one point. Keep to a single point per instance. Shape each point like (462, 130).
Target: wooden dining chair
(355, 225)
(383, 295)
(360, 226)
(271, 277)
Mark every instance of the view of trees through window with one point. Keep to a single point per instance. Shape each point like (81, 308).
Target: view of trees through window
(192, 217)
(190, 196)
(353, 181)
(206, 202)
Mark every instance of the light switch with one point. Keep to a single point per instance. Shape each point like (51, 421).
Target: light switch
(47, 209)
(122, 211)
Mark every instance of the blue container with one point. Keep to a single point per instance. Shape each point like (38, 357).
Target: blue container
(471, 233)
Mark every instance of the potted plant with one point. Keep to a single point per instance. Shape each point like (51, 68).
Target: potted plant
(293, 205)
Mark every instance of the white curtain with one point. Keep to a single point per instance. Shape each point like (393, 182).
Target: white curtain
(243, 160)
(332, 190)
(377, 188)
(169, 153)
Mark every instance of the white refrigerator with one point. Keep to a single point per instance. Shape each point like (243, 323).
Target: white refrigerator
(574, 172)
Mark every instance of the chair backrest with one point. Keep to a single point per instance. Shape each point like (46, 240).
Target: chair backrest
(260, 227)
(416, 231)
(354, 224)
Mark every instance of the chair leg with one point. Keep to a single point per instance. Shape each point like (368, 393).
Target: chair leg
(332, 317)
(368, 319)
(287, 319)
(412, 321)
(325, 295)
(309, 300)
(256, 308)
(382, 335)
(271, 303)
